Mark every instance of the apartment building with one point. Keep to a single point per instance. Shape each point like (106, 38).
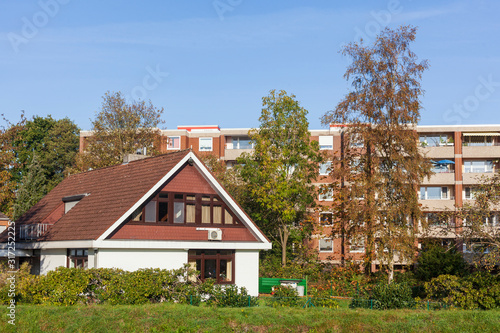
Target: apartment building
(459, 154)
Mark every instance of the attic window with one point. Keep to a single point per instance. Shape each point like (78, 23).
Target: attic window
(72, 200)
(185, 208)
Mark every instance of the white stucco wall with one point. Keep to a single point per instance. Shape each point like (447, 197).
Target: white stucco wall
(51, 259)
(246, 262)
(247, 270)
(133, 259)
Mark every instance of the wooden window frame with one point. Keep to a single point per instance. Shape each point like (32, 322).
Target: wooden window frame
(70, 257)
(218, 257)
(214, 201)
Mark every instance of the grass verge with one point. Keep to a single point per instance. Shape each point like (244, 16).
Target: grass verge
(185, 318)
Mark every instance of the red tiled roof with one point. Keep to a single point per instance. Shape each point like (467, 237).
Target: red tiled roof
(108, 193)
(112, 191)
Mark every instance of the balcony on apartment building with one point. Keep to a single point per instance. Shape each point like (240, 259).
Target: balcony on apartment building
(481, 144)
(437, 198)
(437, 145)
(475, 169)
(437, 227)
(237, 145)
(30, 232)
(443, 173)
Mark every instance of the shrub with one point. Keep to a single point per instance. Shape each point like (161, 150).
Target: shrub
(437, 260)
(229, 296)
(23, 281)
(480, 290)
(284, 296)
(320, 297)
(392, 296)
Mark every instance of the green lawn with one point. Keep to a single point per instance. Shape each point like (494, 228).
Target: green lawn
(185, 318)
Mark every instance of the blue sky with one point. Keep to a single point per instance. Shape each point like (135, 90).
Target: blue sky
(211, 62)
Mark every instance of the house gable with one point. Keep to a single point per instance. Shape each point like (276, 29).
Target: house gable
(188, 174)
(187, 182)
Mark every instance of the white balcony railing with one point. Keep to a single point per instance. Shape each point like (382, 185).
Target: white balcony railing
(33, 231)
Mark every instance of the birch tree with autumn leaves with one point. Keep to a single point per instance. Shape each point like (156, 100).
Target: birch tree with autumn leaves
(377, 173)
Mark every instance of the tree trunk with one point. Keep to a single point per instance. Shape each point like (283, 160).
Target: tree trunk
(370, 223)
(284, 233)
(390, 275)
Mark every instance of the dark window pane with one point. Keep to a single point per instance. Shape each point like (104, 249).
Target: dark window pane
(163, 208)
(210, 269)
(137, 216)
(163, 195)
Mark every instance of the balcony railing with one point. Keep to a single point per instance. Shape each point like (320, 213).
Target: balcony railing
(33, 231)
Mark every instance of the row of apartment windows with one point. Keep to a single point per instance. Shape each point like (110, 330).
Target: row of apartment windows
(426, 193)
(326, 141)
(432, 218)
(174, 143)
(441, 139)
(473, 166)
(358, 246)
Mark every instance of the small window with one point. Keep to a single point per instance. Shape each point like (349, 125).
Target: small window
(326, 218)
(150, 212)
(137, 216)
(434, 193)
(242, 143)
(178, 212)
(205, 144)
(326, 194)
(217, 211)
(77, 258)
(190, 213)
(356, 141)
(174, 142)
(228, 218)
(213, 264)
(324, 168)
(357, 245)
(325, 245)
(478, 166)
(163, 211)
(433, 219)
(469, 193)
(205, 214)
(326, 142)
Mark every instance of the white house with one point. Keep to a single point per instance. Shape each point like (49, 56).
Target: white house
(160, 212)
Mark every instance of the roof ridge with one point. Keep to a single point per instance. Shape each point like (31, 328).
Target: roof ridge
(143, 159)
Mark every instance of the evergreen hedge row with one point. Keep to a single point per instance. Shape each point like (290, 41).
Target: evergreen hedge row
(68, 286)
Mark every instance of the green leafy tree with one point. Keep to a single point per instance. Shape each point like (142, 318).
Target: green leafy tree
(380, 164)
(474, 222)
(437, 260)
(230, 178)
(55, 142)
(280, 171)
(121, 128)
(8, 163)
(32, 189)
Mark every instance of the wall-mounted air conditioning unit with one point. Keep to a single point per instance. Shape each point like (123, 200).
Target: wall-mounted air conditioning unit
(215, 234)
